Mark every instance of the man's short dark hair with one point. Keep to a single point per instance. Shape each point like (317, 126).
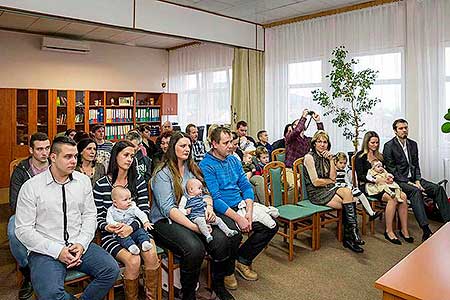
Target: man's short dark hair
(96, 127)
(59, 141)
(188, 128)
(241, 123)
(394, 125)
(260, 133)
(38, 136)
(216, 133)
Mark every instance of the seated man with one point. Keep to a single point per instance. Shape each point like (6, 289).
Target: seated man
(56, 220)
(228, 185)
(263, 140)
(26, 169)
(246, 142)
(198, 148)
(401, 158)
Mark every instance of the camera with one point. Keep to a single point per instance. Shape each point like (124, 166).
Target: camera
(311, 113)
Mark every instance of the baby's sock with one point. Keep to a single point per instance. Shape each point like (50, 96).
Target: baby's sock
(134, 250)
(146, 245)
(231, 233)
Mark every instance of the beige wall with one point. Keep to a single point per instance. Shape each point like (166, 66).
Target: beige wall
(106, 67)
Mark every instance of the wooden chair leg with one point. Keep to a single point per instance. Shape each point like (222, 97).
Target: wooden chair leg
(160, 297)
(339, 225)
(364, 222)
(111, 293)
(208, 275)
(170, 275)
(285, 230)
(318, 220)
(291, 241)
(314, 233)
(372, 223)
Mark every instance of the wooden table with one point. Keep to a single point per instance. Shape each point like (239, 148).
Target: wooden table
(422, 275)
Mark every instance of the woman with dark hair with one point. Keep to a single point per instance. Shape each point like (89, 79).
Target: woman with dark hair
(368, 153)
(81, 135)
(176, 232)
(163, 145)
(70, 133)
(320, 178)
(236, 151)
(86, 164)
(122, 172)
(148, 144)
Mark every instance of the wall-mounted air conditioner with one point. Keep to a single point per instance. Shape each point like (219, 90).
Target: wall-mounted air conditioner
(64, 45)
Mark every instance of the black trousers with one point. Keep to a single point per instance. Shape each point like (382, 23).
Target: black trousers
(434, 191)
(259, 237)
(191, 248)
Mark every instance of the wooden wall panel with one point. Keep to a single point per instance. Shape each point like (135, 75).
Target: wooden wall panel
(7, 97)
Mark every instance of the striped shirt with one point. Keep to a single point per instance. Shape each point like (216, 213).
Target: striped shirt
(341, 176)
(198, 151)
(102, 196)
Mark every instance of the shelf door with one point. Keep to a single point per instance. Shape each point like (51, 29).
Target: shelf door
(7, 127)
(80, 110)
(43, 112)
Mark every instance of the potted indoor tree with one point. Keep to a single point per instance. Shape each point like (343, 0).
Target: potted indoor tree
(446, 126)
(349, 98)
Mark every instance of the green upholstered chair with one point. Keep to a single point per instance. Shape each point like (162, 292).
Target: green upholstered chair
(279, 154)
(325, 215)
(293, 218)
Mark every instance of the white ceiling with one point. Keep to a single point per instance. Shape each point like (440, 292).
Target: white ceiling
(266, 11)
(82, 31)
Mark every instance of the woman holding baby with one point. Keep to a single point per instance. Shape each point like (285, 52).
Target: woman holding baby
(370, 155)
(176, 232)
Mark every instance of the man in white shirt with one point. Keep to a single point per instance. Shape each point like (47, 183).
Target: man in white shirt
(56, 219)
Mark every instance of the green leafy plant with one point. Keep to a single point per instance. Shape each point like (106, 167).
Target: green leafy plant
(349, 99)
(446, 126)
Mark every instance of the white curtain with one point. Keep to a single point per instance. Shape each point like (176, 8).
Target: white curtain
(428, 34)
(201, 75)
(293, 51)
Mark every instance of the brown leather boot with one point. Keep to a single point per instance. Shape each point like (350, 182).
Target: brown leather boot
(151, 283)
(131, 288)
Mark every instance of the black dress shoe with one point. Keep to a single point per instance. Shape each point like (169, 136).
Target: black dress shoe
(408, 239)
(376, 215)
(26, 290)
(426, 235)
(393, 241)
(352, 246)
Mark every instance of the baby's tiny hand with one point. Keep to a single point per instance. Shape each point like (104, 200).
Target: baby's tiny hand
(188, 211)
(148, 226)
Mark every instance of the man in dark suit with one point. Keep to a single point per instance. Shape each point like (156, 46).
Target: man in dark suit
(402, 160)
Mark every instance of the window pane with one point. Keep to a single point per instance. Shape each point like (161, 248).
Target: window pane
(220, 77)
(447, 95)
(305, 72)
(385, 112)
(389, 65)
(300, 99)
(191, 81)
(447, 62)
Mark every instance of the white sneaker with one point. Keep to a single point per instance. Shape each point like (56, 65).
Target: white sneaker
(146, 245)
(134, 250)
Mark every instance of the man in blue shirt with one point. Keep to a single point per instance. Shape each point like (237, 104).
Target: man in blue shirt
(228, 185)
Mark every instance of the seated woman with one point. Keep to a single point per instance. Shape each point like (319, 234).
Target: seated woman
(320, 176)
(176, 232)
(162, 144)
(369, 153)
(122, 172)
(86, 164)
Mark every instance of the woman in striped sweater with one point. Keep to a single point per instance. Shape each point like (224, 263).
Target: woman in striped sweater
(122, 172)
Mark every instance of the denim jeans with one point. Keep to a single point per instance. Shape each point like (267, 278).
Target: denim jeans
(48, 274)
(18, 250)
(136, 238)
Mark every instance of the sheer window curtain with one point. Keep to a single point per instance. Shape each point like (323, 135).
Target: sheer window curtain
(428, 33)
(369, 31)
(201, 75)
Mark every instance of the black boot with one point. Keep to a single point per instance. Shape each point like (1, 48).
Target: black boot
(188, 284)
(350, 228)
(426, 233)
(26, 289)
(355, 231)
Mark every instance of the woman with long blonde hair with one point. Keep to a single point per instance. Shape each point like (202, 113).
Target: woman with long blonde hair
(174, 231)
(370, 152)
